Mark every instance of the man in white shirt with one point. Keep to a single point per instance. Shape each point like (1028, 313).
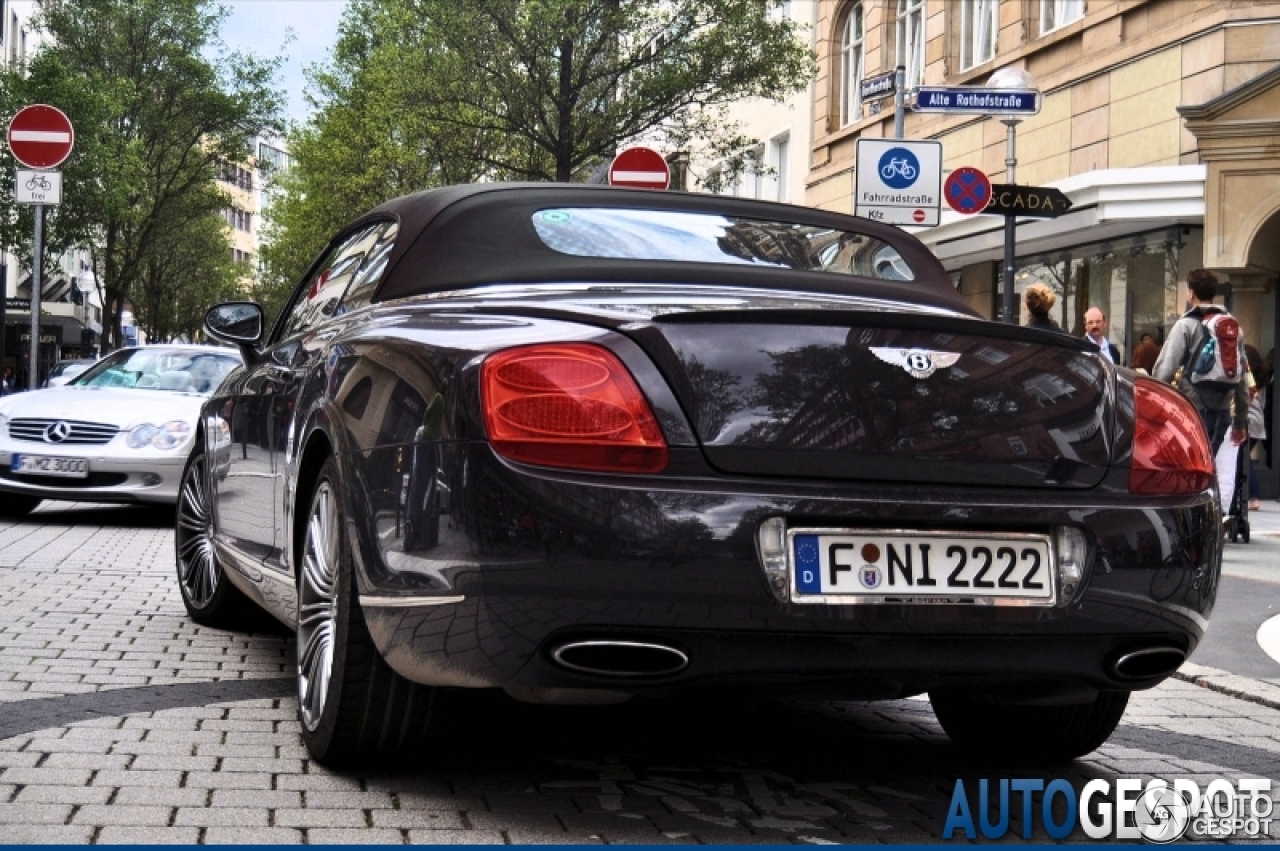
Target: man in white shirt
(1095, 331)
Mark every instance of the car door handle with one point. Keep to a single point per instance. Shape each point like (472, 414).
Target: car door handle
(278, 373)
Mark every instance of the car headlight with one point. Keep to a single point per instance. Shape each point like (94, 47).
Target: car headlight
(166, 436)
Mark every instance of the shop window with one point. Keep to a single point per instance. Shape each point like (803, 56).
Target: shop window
(1134, 281)
(979, 23)
(852, 65)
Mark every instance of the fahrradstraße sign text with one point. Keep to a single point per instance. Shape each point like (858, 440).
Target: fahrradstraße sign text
(37, 187)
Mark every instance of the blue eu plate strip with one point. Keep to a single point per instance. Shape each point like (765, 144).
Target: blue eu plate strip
(808, 566)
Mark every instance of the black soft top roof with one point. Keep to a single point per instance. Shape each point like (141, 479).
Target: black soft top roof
(471, 235)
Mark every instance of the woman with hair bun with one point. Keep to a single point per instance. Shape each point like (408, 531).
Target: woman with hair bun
(1039, 301)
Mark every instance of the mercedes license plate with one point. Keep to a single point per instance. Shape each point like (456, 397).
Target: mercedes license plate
(44, 465)
(876, 566)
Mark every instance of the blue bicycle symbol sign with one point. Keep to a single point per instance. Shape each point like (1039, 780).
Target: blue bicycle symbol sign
(899, 168)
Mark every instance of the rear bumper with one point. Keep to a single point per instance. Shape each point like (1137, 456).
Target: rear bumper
(475, 580)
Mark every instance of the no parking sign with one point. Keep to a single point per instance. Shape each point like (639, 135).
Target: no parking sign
(967, 190)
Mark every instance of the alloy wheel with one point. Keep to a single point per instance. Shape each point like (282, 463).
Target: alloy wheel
(198, 569)
(317, 605)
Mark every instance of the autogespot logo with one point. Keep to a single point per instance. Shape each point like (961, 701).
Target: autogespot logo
(1162, 814)
(1156, 811)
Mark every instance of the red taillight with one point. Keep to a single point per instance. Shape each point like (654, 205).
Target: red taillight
(1170, 449)
(569, 405)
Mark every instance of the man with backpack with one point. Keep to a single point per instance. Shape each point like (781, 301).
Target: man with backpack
(1204, 358)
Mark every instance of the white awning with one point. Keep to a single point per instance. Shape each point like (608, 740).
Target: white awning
(1106, 204)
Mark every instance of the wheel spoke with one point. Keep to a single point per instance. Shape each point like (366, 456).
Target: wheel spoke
(198, 570)
(317, 611)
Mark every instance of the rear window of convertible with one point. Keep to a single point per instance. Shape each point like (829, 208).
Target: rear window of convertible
(706, 238)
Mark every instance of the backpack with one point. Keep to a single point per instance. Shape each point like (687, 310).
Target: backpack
(1217, 360)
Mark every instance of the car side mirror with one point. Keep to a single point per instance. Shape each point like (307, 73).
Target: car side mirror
(238, 322)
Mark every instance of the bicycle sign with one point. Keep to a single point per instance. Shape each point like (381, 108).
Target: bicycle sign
(899, 181)
(899, 168)
(37, 187)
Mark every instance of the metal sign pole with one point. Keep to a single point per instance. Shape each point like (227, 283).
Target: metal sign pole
(37, 252)
(1010, 222)
(899, 102)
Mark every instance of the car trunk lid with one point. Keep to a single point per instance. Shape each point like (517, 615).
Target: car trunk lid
(888, 397)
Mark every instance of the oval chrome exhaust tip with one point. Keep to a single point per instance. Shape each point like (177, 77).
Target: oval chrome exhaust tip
(607, 658)
(1147, 663)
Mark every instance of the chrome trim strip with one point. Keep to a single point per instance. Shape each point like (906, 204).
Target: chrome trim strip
(375, 602)
(680, 655)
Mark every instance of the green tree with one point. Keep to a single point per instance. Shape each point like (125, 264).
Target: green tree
(154, 117)
(575, 79)
(423, 93)
(365, 144)
(186, 271)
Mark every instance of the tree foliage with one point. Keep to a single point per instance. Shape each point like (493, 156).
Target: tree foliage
(424, 93)
(153, 118)
(186, 271)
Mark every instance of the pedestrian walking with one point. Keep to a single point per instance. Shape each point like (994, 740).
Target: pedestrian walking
(7, 383)
(1095, 331)
(1039, 300)
(1145, 354)
(1257, 421)
(1221, 404)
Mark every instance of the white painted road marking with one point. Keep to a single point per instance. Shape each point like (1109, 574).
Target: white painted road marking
(1269, 637)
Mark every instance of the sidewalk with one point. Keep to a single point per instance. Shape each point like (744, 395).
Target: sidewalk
(1265, 520)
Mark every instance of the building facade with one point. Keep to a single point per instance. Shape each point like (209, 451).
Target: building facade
(250, 188)
(779, 160)
(1160, 121)
(70, 308)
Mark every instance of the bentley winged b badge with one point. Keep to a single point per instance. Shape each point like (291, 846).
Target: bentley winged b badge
(920, 363)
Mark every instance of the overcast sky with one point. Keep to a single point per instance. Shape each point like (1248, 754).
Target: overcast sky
(263, 27)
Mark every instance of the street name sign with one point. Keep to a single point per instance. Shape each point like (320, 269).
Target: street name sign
(40, 136)
(640, 168)
(37, 187)
(899, 181)
(973, 100)
(967, 190)
(1042, 202)
(879, 86)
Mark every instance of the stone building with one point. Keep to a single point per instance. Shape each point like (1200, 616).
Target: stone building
(1160, 120)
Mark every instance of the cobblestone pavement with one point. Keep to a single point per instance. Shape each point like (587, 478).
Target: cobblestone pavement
(123, 722)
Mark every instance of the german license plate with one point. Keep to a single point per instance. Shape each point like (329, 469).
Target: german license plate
(44, 465)
(865, 566)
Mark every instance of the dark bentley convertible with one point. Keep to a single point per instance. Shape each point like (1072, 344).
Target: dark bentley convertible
(582, 443)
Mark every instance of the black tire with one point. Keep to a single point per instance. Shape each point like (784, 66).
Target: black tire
(359, 709)
(15, 506)
(988, 728)
(208, 595)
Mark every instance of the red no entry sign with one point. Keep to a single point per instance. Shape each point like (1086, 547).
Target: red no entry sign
(41, 136)
(639, 168)
(967, 190)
